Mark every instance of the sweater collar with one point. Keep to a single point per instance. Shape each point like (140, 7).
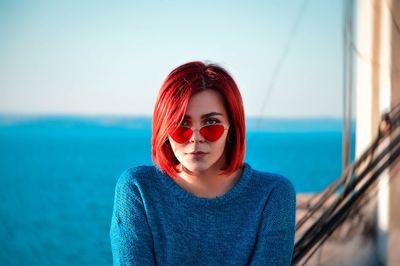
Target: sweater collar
(188, 197)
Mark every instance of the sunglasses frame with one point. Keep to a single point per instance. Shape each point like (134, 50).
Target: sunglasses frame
(193, 130)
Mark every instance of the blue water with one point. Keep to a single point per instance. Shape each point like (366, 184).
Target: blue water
(58, 176)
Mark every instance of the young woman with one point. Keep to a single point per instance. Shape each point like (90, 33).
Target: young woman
(201, 204)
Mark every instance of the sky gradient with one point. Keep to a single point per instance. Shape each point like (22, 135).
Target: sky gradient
(111, 57)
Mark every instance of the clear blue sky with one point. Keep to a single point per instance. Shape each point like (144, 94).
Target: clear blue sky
(111, 57)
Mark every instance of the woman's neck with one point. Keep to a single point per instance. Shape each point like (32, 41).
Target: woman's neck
(208, 184)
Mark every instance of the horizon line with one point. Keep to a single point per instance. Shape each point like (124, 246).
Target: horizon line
(123, 115)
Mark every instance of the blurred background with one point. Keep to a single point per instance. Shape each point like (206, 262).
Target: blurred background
(78, 83)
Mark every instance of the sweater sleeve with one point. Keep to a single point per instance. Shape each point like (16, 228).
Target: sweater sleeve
(131, 239)
(275, 241)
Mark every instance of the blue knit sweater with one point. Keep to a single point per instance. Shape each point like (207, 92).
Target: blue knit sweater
(156, 222)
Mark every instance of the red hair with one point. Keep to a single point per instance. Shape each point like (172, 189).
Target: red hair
(172, 101)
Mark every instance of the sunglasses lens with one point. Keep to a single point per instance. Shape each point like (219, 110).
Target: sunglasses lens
(182, 134)
(212, 133)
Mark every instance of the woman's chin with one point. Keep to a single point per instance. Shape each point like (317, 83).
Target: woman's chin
(200, 166)
(196, 168)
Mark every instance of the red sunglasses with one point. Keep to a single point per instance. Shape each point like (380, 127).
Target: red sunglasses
(209, 132)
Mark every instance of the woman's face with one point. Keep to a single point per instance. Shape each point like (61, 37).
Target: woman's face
(204, 108)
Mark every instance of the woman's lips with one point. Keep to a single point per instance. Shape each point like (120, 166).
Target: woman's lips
(197, 155)
(197, 152)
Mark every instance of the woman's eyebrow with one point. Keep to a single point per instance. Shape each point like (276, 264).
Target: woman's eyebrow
(206, 115)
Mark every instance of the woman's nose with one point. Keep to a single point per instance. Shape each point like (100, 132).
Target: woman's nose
(196, 136)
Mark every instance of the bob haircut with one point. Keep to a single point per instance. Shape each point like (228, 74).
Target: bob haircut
(171, 104)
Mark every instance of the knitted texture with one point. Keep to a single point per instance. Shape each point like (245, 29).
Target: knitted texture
(156, 222)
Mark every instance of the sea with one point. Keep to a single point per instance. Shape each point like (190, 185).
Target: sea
(58, 175)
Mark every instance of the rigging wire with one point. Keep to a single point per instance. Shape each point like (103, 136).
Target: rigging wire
(279, 65)
(350, 206)
(347, 80)
(370, 60)
(396, 25)
(358, 189)
(283, 56)
(326, 229)
(356, 193)
(388, 119)
(338, 218)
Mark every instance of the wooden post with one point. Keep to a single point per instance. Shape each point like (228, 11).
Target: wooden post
(394, 172)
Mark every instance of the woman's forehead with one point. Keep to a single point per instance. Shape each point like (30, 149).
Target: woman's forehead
(207, 102)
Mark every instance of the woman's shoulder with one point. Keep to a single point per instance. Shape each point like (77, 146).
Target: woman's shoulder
(136, 175)
(277, 189)
(273, 181)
